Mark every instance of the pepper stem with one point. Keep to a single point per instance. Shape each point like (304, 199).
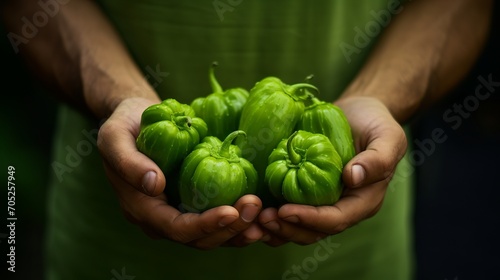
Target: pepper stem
(316, 101)
(226, 144)
(313, 102)
(182, 121)
(211, 76)
(305, 93)
(294, 157)
(308, 80)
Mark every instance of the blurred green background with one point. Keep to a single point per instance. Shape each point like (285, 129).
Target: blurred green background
(458, 191)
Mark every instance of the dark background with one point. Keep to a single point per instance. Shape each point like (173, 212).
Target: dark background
(458, 188)
(457, 195)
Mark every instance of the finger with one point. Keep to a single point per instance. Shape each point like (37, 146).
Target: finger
(283, 230)
(248, 208)
(378, 161)
(116, 144)
(190, 227)
(267, 215)
(156, 217)
(250, 235)
(148, 231)
(275, 241)
(354, 206)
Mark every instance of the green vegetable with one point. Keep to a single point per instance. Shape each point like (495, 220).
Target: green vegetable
(305, 169)
(221, 110)
(169, 131)
(270, 115)
(215, 174)
(328, 119)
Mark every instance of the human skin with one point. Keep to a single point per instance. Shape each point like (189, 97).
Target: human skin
(406, 72)
(425, 51)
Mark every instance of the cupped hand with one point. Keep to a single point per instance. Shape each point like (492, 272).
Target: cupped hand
(380, 144)
(139, 185)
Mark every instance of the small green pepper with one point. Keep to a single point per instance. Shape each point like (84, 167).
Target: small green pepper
(270, 115)
(328, 119)
(221, 110)
(305, 169)
(215, 174)
(169, 131)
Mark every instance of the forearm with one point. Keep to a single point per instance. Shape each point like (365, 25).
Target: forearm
(427, 49)
(79, 55)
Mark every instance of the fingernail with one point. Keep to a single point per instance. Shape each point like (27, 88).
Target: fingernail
(149, 182)
(249, 212)
(358, 174)
(224, 221)
(292, 219)
(273, 226)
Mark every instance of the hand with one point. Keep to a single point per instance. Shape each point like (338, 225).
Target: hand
(380, 143)
(139, 184)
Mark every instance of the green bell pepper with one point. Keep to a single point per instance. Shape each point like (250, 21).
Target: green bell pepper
(169, 131)
(305, 169)
(328, 119)
(221, 110)
(215, 174)
(270, 115)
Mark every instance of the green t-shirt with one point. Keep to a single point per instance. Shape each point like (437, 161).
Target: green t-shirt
(174, 43)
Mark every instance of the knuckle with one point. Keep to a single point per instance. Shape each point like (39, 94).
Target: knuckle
(207, 230)
(287, 234)
(104, 133)
(186, 229)
(403, 140)
(388, 174)
(386, 169)
(387, 166)
(403, 145)
(340, 227)
(121, 163)
(374, 211)
(233, 230)
(175, 236)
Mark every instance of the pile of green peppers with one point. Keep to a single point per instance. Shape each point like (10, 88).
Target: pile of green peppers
(277, 141)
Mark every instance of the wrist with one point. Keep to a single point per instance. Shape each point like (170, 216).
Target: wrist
(103, 92)
(402, 92)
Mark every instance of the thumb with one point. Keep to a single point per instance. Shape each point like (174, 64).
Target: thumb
(379, 160)
(116, 143)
